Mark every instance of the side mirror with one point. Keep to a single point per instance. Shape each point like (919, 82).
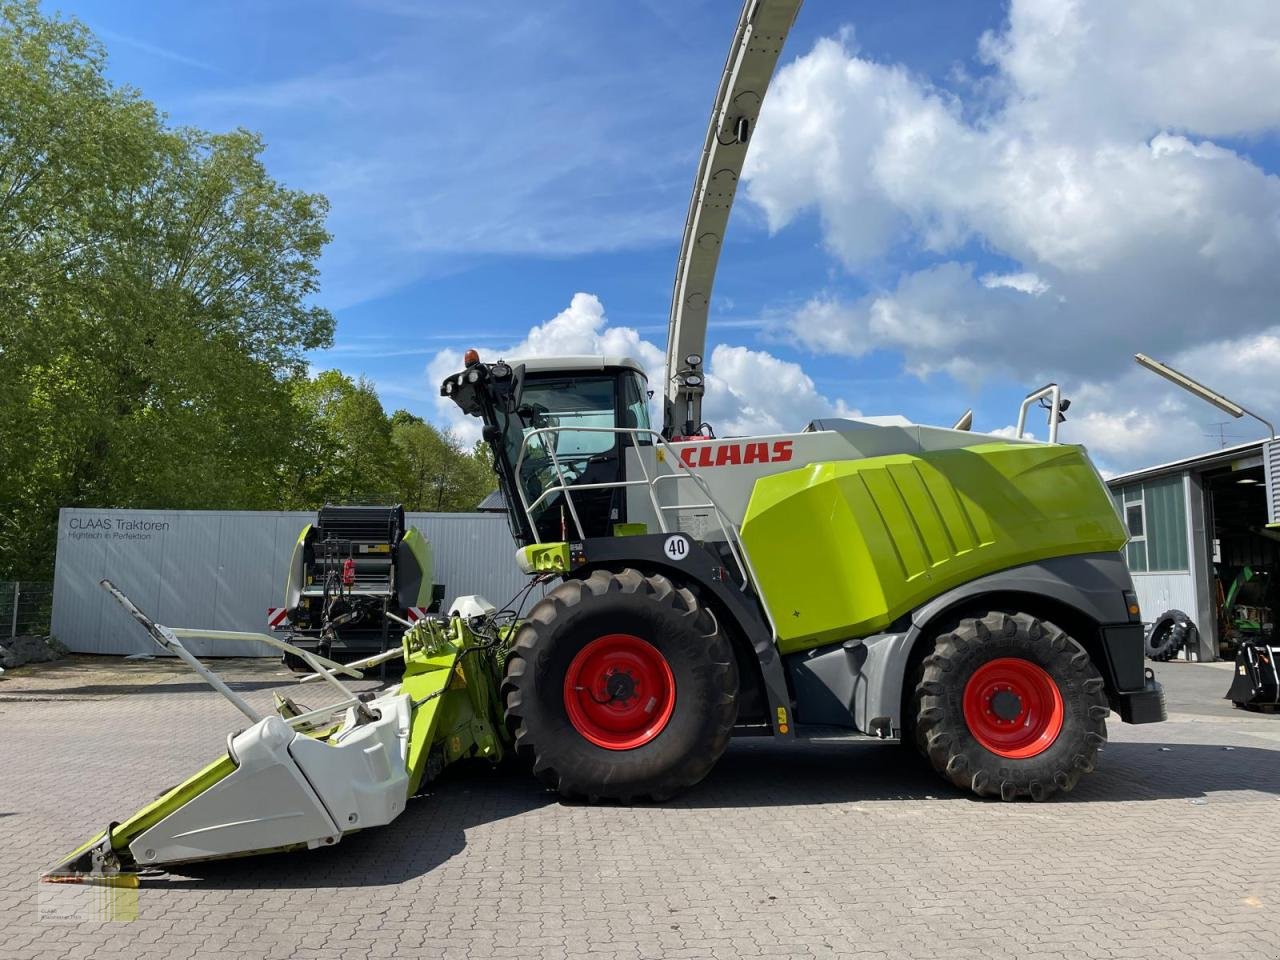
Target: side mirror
(517, 386)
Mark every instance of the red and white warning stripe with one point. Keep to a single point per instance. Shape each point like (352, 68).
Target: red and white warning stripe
(414, 614)
(277, 618)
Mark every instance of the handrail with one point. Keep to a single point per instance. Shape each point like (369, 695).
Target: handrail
(1049, 390)
(680, 471)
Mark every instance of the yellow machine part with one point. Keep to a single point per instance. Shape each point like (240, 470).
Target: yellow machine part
(843, 549)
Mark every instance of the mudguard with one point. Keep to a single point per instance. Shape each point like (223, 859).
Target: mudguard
(860, 682)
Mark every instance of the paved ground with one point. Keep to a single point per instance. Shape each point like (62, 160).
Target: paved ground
(1171, 850)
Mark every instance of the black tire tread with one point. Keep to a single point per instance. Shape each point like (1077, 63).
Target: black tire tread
(955, 754)
(538, 634)
(1160, 644)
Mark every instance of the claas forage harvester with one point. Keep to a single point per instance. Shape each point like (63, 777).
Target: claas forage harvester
(963, 593)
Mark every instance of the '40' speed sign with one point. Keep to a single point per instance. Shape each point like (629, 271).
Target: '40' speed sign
(676, 548)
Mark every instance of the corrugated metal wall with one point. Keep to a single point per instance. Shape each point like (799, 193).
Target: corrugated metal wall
(1160, 543)
(1271, 475)
(1158, 592)
(222, 569)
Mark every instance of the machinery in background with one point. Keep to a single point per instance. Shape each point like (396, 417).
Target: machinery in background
(357, 577)
(1246, 629)
(1256, 683)
(1245, 609)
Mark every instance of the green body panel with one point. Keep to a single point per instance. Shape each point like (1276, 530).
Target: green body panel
(543, 558)
(843, 549)
(432, 676)
(453, 680)
(418, 545)
(296, 581)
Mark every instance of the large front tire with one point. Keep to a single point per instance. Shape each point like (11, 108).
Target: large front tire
(1011, 706)
(621, 687)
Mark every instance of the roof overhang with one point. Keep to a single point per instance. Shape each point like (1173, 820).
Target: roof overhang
(1196, 464)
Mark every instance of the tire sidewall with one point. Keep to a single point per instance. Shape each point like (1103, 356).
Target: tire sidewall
(1076, 702)
(697, 713)
(942, 733)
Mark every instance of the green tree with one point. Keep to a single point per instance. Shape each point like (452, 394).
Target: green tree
(436, 472)
(342, 450)
(156, 291)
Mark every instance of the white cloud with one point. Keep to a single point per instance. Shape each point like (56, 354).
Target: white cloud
(1092, 66)
(1086, 162)
(816, 143)
(1024, 282)
(1137, 419)
(748, 391)
(753, 392)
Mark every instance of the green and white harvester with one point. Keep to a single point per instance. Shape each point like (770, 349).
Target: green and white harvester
(960, 592)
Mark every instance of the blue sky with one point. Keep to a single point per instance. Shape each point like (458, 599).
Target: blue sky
(487, 161)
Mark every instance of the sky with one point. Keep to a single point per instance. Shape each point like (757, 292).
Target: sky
(946, 204)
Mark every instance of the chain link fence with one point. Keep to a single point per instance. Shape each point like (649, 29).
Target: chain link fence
(25, 608)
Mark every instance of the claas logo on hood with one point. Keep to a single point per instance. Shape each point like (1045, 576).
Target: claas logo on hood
(736, 454)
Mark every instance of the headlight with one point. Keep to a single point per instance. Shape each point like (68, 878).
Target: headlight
(692, 380)
(473, 375)
(693, 360)
(500, 371)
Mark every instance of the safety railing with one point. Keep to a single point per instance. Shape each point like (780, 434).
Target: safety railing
(1051, 390)
(680, 471)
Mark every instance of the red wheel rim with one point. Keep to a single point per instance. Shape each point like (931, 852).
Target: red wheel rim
(1013, 708)
(619, 691)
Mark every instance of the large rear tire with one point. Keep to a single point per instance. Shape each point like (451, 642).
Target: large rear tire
(1010, 706)
(621, 687)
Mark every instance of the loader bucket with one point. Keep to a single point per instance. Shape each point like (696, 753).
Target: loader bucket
(1256, 683)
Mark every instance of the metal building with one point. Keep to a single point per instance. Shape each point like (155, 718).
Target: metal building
(1203, 539)
(222, 569)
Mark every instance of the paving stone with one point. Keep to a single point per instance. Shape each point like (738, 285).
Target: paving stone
(818, 850)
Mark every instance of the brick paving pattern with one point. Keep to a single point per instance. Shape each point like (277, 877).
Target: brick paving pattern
(1171, 850)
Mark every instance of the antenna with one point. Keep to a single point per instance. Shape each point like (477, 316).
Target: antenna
(1219, 433)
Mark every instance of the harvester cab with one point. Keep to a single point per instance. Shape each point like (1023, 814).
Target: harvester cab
(556, 424)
